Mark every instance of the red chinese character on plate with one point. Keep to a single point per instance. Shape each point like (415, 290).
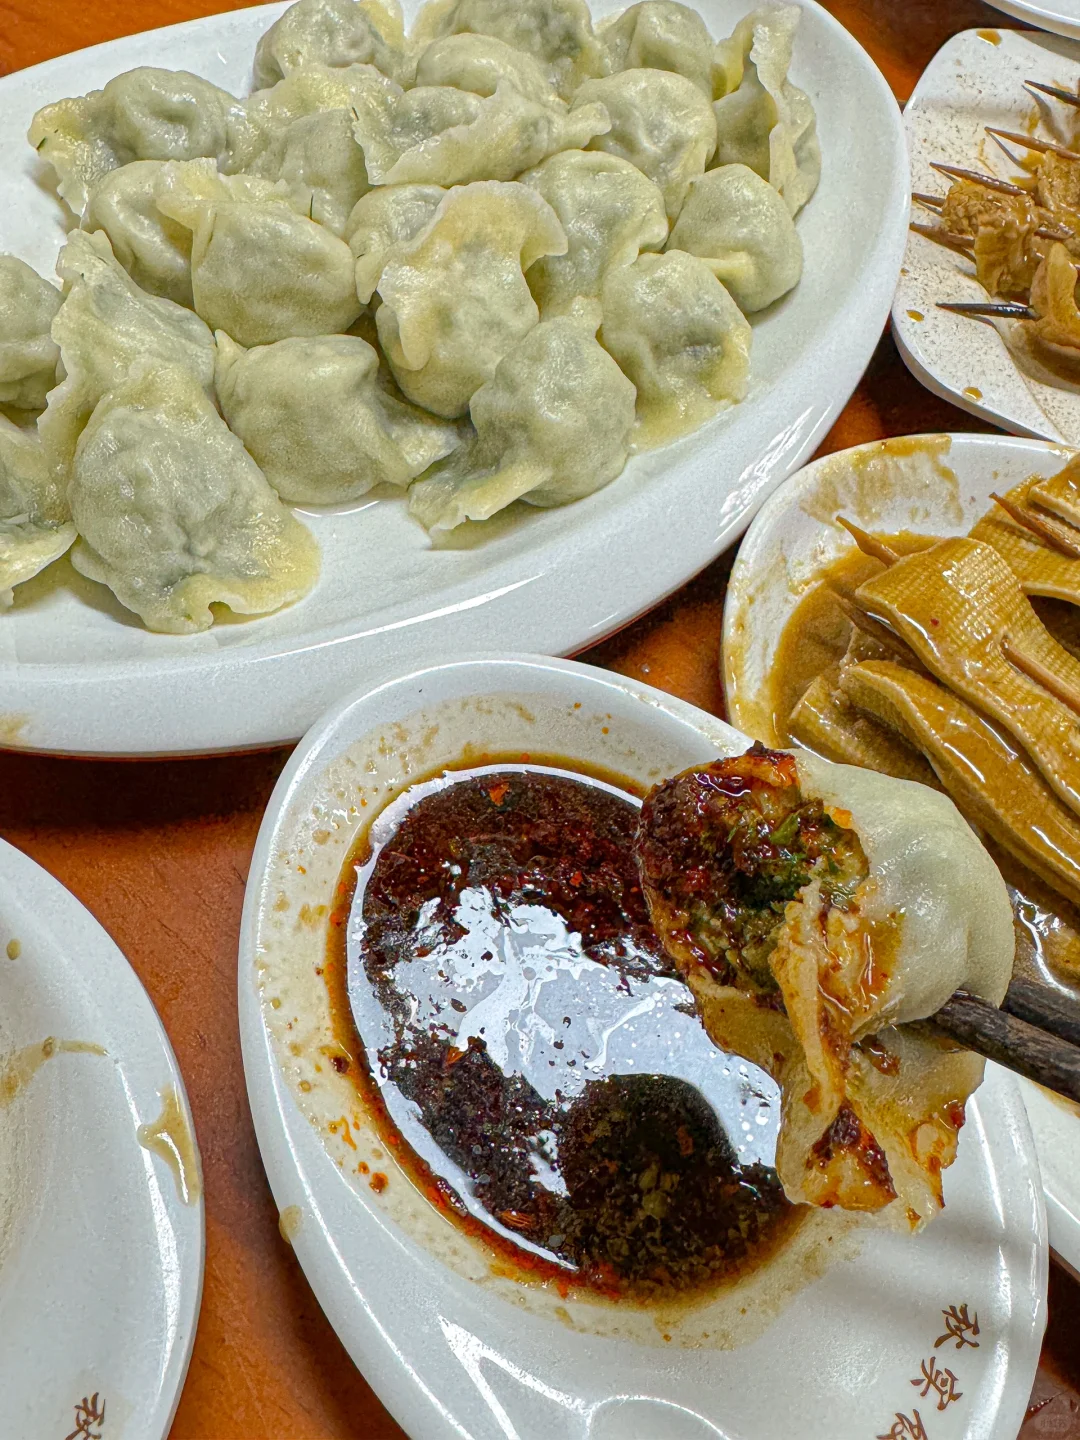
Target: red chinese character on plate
(907, 1427)
(941, 1381)
(959, 1326)
(87, 1415)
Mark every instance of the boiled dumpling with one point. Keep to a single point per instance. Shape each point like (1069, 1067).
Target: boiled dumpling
(35, 522)
(382, 220)
(817, 911)
(660, 35)
(397, 122)
(311, 90)
(153, 249)
(145, 114)
(259, 271)
(681, 339)
(557, 33)
(317, 158)
(660, 122)
(739, 225)
(455, 298)
(105, 327)
(313, 416)
(28, 354)
(442, 136)
(762, 119)
(552, 424)
(174, 515)
(610, 213)
(256, 147)
(300, 132)
(335, 33)
(479, 62)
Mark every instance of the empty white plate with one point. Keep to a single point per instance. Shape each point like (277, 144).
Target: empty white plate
(80, 674)
(101, 1217)
(456, 1348)
(931, 485)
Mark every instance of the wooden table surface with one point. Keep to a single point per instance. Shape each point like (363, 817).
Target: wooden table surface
(159, 852)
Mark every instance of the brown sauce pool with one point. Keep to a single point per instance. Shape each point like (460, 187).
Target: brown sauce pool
(530, 1055)
(817, 633)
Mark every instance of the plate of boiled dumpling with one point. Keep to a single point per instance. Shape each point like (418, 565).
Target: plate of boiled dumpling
(353, 336)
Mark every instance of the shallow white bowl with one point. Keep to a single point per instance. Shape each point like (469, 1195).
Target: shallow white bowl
(932, 485)
(101, 1255)
(79, 674)
(453, 1349)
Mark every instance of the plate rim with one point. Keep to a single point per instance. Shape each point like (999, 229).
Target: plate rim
(17, 866)
(277, 1117)
(163, 716)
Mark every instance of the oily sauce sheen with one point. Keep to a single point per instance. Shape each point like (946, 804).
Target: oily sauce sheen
(627, 1184)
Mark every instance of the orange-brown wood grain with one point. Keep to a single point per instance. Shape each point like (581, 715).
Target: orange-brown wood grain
(159, 853)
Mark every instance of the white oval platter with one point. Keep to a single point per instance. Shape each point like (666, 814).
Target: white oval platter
(78, 674)
(101, 1247)
(456, 1350)
(977, 79)
(935, 485)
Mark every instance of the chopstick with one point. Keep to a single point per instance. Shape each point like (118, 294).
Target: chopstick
(1050, 1059)
(1046, 1008)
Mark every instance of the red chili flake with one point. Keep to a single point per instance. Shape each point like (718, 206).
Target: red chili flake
(497, 793)
(576, 877)
(517, 1219)
(363, 1167)
(378, 1182)
(340, 1063)
(934, 622)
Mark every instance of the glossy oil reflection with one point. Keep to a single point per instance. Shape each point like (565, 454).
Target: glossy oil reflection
(534, 1047)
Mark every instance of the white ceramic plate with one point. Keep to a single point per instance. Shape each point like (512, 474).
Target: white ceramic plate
(454, 1349)
(1063, 16)
(977, 79)
(79, 674)
(101, 1256)
(937, 485)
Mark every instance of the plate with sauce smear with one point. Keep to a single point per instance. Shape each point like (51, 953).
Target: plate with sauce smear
(783, 629)
(532, 1198)
(101, 1214)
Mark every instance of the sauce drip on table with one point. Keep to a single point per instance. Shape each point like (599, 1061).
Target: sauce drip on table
(531, 1053)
